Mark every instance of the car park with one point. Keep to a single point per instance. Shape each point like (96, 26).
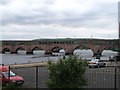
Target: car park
(96, 63)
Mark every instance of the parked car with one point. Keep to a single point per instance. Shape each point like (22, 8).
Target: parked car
(96, 63)
(7, 76)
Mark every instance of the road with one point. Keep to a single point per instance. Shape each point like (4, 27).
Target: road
(103, 77)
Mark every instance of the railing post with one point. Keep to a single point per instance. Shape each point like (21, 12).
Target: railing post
(36, 77)
(115, 80)
(9, 74)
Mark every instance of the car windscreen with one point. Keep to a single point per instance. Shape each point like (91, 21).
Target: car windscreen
(95, 60)
(11, 74)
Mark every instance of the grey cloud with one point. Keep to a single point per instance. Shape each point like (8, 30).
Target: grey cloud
(51, 17)
(33, 33)
(98, 17)
(101, 16)
(119, 11)
(92, 18)
(4, 2)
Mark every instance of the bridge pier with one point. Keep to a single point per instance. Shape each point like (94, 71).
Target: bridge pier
(98, 55)
(49, 53)
(68, 53)
(29, 52)
(13, 52)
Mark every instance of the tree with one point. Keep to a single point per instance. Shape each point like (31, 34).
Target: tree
(67, 73)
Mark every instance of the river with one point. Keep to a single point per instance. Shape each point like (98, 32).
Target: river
(23, 58)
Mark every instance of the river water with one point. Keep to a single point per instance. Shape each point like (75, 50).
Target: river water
(22, 58)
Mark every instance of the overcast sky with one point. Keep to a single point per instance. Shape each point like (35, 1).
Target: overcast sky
(33, 19)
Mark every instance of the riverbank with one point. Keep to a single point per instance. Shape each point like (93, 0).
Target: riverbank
(41, 64)
(28, 65)
(12, 59)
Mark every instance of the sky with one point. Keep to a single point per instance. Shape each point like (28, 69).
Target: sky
(33, 19)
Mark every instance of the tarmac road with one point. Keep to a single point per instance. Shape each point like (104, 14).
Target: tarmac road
(103, 77)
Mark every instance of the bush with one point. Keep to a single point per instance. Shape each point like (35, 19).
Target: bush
(12, 86)
(68, 73)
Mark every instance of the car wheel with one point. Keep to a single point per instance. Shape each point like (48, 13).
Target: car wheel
(98, 66)
(89, 66)
(104, 64)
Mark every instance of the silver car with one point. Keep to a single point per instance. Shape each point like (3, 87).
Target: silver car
(96, 63)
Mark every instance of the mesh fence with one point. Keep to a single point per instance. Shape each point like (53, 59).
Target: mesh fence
(103, 77)
(33, 77)
(106, 77)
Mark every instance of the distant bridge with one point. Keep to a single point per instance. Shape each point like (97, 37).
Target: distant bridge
(54, 45)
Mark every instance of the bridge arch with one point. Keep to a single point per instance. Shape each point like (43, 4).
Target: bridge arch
(6, 50)
(81, 47)
(108, 51)
(108, 48)
(21, 50)
(58, 51)
(83, 51)
(38, 50)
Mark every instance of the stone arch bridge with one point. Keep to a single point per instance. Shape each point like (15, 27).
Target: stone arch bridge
(69, 45)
